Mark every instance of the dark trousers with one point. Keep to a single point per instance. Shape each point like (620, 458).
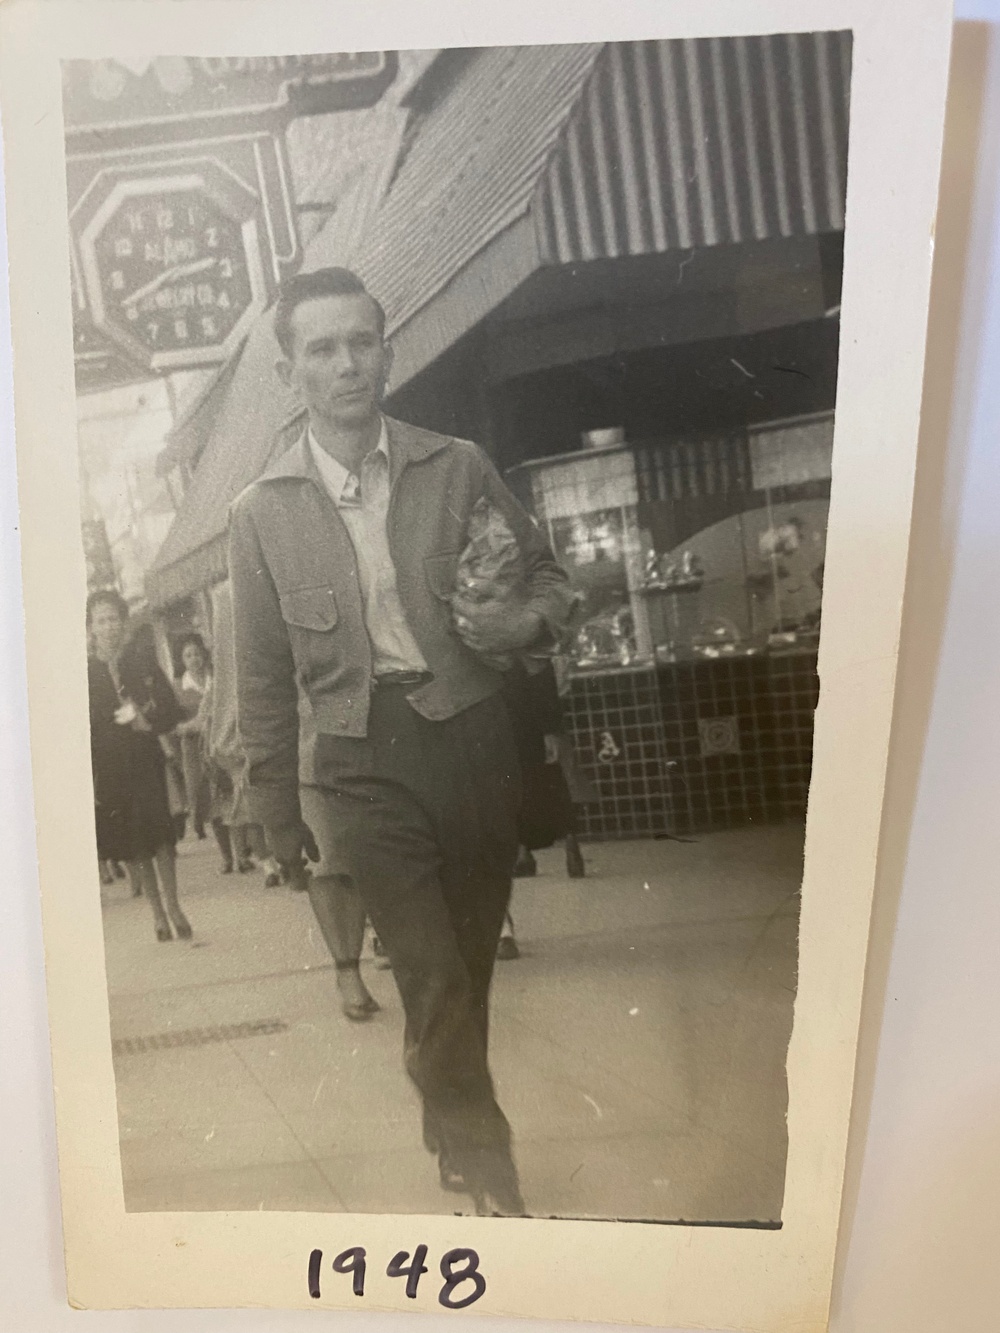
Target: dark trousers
(423, 817)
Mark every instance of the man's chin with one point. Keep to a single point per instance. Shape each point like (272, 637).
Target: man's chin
(351, 412)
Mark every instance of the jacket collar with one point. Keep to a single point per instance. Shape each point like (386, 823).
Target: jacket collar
(407, 444)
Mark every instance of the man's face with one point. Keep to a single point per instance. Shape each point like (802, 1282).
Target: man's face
(339, 363)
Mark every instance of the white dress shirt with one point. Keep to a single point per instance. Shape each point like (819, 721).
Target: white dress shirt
(363, 504)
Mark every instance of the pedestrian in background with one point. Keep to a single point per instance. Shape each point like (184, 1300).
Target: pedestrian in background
(335, 901)
(552, 782)
(131, 706)
(240, 837)
(193, 678)
(194, 688)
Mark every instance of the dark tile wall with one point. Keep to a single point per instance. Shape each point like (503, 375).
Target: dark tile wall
(695, 746)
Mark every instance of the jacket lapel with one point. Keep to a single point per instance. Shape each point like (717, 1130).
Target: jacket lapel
(294, 462)
(409, 444)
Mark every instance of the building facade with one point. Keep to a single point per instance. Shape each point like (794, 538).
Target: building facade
(618, 268)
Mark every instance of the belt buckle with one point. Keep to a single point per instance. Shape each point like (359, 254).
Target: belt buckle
(403, 679)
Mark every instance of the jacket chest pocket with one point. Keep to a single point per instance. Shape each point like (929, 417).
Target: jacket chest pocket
(311, 616)
(310, 608)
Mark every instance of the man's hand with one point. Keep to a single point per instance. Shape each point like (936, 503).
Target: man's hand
(290, 843)
(495, 625)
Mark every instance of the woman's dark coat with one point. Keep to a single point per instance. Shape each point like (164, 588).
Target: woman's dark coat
(132, 809)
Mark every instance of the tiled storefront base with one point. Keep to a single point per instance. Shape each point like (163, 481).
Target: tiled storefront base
(695, 746)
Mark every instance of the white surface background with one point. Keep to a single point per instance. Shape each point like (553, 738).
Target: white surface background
(921, 1229)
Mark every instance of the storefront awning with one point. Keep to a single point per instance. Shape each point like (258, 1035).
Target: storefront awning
(586, 153)
(250, 412)
(539, 156)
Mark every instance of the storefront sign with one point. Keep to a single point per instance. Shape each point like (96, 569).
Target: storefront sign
(126, 101)
(180, 196)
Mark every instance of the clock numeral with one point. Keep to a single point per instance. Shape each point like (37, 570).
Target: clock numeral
(205, 293)
(212, 237)
(226, 268)
(152, 329)
(164, 219)
(223, 301)
(123, 247)
(136, 222)
(118, 280)
(209, 327)
(181, 330)
(131, 312)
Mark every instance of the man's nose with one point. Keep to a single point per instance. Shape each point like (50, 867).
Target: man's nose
(344, 360)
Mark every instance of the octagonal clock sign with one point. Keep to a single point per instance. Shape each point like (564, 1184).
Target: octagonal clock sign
(172, 261)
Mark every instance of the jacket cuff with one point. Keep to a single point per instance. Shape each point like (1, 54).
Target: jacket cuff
(554, 614)
(275, 807)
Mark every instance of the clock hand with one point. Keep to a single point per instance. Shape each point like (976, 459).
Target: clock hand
(170, 275)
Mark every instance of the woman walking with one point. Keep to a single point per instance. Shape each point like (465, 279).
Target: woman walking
(194, 691)
(131, 706)
(193, 681)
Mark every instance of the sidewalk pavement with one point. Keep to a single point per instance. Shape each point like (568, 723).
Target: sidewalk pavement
(638, 1044)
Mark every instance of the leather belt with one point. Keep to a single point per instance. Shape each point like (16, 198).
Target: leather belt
(406, 679)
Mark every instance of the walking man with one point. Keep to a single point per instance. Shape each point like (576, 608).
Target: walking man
(371, 716)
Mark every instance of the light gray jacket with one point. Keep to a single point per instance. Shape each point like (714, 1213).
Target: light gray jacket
(303, 657)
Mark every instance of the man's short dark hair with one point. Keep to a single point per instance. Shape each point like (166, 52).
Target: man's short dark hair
(310, 286)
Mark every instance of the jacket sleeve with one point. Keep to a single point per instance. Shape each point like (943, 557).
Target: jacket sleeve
(549, 591)
(167, 710)
(266, 692)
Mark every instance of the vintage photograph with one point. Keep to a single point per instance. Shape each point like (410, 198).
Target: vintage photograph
(455, 441)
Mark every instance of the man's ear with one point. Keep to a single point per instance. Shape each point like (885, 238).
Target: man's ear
(386, 367)
(283, 370)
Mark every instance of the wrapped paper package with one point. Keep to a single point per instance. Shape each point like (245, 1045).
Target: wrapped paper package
(491, 566)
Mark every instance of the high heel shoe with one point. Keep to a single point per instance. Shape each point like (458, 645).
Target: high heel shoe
(526, 866)
(183, 927)
(163, 933)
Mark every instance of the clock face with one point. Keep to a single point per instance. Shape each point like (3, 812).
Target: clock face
(173, 272)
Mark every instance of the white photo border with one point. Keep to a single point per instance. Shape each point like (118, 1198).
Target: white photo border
(773, 1281)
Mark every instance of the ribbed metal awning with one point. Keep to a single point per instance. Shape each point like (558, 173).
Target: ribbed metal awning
(702, 142)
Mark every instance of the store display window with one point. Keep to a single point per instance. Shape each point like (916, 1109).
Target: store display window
(681, 549)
